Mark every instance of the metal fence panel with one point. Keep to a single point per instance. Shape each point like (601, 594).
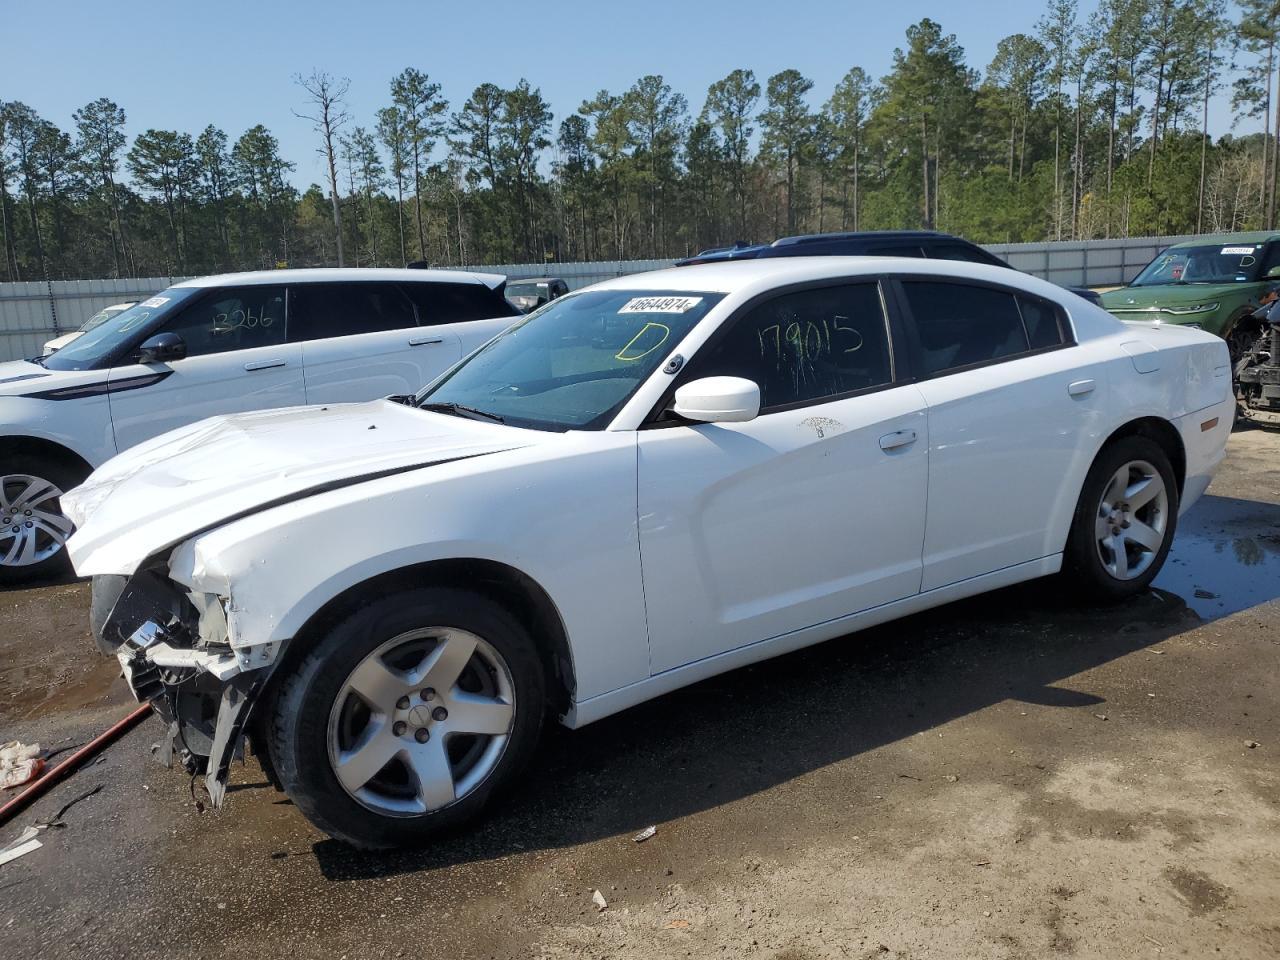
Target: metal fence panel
(33, 312)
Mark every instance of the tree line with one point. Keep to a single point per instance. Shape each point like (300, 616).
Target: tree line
(1091, 126)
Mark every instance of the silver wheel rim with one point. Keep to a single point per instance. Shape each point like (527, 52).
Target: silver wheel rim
(32, 527)
(1132, 520)
(421, 721)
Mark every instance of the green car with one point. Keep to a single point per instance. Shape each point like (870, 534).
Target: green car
(1214, 283)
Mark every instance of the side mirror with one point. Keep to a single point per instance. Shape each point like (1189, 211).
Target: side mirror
(718, 400)
(1274, 273)
(162, 348)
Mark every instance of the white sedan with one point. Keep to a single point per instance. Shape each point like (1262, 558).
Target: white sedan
(641, 484)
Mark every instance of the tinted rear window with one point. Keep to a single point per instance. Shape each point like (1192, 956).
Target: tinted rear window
(457, 302)
(963, 251)
(318, 311)
(960, 325)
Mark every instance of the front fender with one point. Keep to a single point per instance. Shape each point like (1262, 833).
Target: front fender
(567, 521)
(81, 426)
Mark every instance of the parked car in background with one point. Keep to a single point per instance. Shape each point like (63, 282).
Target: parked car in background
(242, 341)
(1212, 283)
(529, 293)
(927, 244)
(99, 318)
(647, 482)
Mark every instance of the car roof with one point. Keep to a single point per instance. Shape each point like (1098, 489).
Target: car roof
(732, 276)
(511, 280)
(344, 274)
(1253, 236)
(869, 235)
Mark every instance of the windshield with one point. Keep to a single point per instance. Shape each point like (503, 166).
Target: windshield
(101, 316)
(572, 364)
(1210, 263)
(526, 289)
(97, 345)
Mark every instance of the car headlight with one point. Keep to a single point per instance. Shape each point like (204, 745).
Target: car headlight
(1193, 308)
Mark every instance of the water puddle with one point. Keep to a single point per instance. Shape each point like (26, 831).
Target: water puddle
(1225, 557)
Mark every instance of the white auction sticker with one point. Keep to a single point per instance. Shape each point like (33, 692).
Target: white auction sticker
(1236, 251)
(155, 302)
(660, 304)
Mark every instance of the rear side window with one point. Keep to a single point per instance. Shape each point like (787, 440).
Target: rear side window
(457, 302)
(319, 311)
(960, 325)
(1045, 325)
(807, 346)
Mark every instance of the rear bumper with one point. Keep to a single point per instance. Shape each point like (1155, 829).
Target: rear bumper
(1204, 440)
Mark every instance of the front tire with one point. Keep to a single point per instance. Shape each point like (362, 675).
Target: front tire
(408, 717)
(33, 529)
(1125, 520)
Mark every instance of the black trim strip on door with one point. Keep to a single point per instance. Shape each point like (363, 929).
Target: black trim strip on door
(83, 390)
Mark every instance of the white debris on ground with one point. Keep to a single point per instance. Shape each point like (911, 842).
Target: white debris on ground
(19, 763)
(25, 844)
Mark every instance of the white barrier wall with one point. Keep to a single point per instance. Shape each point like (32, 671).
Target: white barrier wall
(33, 312)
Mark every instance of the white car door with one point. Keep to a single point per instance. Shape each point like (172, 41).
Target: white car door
(1009, 400)
(361, 341)
(473, 312)
(238, 359)
(812, 511)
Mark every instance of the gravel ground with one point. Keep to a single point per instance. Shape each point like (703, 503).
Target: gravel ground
(1012, 776)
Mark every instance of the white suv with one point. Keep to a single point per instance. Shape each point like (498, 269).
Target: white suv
(225, 344)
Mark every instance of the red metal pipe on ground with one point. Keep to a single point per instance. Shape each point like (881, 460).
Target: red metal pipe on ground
(68, 766)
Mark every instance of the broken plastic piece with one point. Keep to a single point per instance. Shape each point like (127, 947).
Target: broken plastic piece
(25, 843)
(645, 834)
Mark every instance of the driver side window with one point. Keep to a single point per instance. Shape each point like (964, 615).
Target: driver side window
(807, 346)
(233, 318)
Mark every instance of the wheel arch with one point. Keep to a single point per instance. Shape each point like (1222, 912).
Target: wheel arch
(522, 596)
(20, 444)
(1160, 431)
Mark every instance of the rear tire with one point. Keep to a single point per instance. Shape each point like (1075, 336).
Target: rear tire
(407, 717)
(33, 529)
(1124, 521)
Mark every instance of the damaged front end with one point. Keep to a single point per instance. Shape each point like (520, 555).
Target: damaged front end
(175, 650)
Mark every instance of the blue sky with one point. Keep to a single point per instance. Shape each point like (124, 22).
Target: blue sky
(180, 65)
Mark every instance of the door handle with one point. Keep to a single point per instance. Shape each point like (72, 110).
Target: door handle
(1081, 388)
(899, 438)
(423, 341)
(265, 364)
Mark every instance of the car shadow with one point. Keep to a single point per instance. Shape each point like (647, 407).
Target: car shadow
(760, 726)
(57, 580)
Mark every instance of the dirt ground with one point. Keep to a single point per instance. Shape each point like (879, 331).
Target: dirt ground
(1008, 777)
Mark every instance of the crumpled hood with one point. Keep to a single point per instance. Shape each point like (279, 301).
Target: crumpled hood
(1167, 295)
(165, 490)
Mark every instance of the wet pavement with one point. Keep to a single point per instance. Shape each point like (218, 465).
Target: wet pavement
(1010, 776)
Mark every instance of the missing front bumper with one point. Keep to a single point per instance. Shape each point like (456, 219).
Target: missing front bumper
(174, 653)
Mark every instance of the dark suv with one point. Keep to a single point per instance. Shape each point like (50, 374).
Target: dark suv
(926, 244)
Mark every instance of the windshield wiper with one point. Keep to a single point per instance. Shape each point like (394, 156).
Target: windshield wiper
(458, 410)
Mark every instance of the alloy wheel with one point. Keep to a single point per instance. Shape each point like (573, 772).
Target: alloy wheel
(1132, 520)
(32, 527)
(421, 721)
